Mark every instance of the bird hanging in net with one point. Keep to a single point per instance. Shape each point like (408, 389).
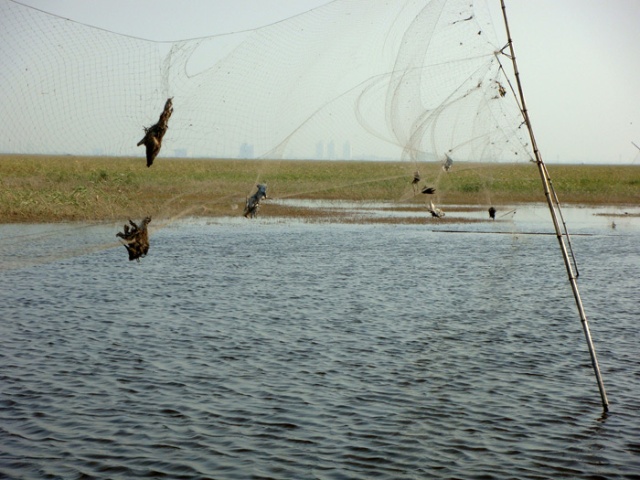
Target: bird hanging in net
(435, 211)
(135, 239)
(152, 139)
(253, 202)
(416, 180)
(448, 163)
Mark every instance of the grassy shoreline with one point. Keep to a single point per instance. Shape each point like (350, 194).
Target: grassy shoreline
(46, 189)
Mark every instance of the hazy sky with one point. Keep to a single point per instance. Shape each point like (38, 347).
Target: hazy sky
(579, 60)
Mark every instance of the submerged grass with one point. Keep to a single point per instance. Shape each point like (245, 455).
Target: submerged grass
(53, 189)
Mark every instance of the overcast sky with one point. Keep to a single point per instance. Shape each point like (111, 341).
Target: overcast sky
(579, 59)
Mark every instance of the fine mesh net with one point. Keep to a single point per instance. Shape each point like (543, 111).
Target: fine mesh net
(416, 81)
(410, 80)
(413, 80)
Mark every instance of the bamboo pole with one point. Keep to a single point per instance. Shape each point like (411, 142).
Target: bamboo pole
(545, 183)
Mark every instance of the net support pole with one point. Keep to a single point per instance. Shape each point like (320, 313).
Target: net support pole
(545, 183)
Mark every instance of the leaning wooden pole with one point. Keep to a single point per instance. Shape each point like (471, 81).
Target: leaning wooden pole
(545, 183)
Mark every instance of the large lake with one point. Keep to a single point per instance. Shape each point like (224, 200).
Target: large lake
(275, 349)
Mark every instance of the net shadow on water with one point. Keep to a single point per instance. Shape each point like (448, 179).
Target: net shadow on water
(290, 350)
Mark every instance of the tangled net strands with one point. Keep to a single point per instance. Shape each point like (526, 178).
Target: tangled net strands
(416, 81)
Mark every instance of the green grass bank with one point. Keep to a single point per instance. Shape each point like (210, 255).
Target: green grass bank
(71, 188)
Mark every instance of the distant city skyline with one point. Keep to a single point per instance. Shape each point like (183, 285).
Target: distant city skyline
(577, 59)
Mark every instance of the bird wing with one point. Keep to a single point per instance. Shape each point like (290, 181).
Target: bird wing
(153, 148)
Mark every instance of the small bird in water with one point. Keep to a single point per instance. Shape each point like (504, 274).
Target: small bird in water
(153, 135)
(492, 212)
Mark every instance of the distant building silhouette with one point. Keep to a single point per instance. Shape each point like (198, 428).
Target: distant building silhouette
(180, 152)
(331, 150)
(246, 150)
(346, 150)
(320, 150)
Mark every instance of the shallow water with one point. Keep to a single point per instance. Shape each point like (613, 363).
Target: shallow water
(274, 349)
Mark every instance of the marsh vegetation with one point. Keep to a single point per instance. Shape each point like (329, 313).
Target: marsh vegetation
(69, 188)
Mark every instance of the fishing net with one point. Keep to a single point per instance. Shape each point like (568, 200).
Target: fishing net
(415, 81)
(410, 80)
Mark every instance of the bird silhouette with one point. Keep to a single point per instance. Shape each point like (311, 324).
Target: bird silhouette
(135, 239)
(153, 135)
(253, 202)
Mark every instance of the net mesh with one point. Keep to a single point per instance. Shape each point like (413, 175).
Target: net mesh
(410, 80)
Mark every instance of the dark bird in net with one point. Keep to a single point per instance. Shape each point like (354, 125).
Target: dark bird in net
(492, 212)
(253, 202)
(416, 180)
(428, 190)
(135, 239)
(152, 139)
(448, 163)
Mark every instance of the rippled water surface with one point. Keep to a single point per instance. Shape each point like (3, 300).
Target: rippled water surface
(282, 350)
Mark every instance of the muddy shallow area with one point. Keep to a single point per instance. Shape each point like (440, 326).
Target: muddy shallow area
(524, 216)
